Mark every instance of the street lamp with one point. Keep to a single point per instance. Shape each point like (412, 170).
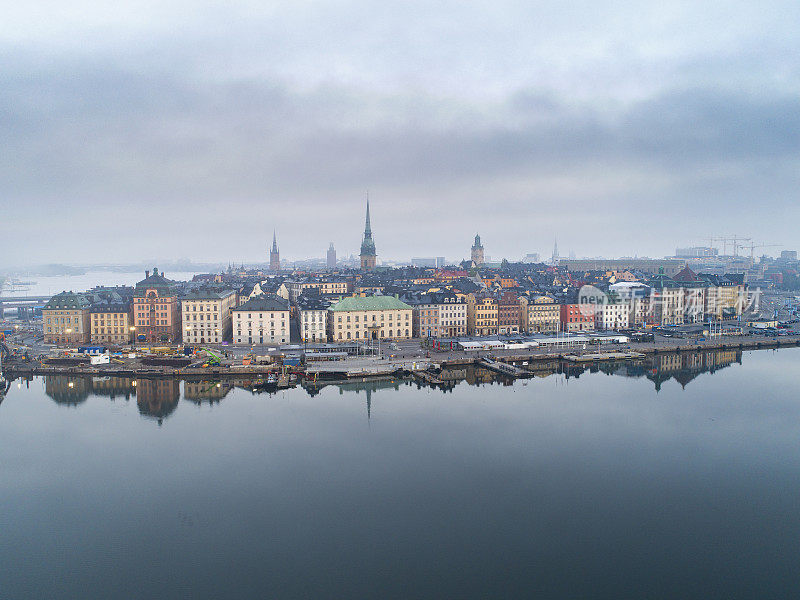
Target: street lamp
(133, 334)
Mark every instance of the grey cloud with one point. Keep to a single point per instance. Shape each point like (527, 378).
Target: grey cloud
(570, 121)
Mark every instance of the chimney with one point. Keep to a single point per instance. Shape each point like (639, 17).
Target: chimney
(146, 274)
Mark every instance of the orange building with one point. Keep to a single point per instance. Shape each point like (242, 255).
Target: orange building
(156, 312)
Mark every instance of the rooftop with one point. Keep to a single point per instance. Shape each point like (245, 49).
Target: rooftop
(370, 303)
(264, 303)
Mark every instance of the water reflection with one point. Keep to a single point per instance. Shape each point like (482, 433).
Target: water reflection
(68, 390)
(211, 391)
(158, 398)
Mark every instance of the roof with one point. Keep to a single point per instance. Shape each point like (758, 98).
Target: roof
(155, 281)
(370, 303)
(312, 303)
(67, 301)
(207, 294)
(264, 303)
(110, 308)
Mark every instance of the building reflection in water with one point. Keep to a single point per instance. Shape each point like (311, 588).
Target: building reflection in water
(158, 398)
(68, 390)
(114, 387)
(206, 391)
(371, 386)
(683, 367)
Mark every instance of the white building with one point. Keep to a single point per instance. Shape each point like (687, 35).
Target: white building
(206, 316)
(312, 317)
(612, 316)
(262, 320)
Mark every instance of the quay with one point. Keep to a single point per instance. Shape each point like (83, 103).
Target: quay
(430, 370)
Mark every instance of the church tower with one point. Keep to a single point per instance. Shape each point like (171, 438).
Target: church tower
(368, 254)
(274, 255)
(477, 251)
(331, 262)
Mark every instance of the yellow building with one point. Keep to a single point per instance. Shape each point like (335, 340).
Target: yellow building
(482, 315)
(111, 324)
(373, 317)
(65, 319)
(539, 314)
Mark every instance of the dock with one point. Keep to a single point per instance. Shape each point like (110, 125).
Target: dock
(503, 368)
(597, 356)
(366, 367)
(427, 377)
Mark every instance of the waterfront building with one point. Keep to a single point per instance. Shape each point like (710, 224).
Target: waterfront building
(111, 323)
(65, 319)
(331, 258)
(694, 294)
(539, 314)
(368, 253)
(371, 317)
(312, 318)
(274, 255)
(482, 314)
(262, 320)
(476, 255)
(575, 318)
(667, 301)
(508, 311)
(611, 315)
(156, 310)
(452, 315)
(439, 314)
(636, 296)
(206, 316)
(726, 296)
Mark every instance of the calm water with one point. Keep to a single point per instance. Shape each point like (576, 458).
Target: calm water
(673, 479)
(48, 286)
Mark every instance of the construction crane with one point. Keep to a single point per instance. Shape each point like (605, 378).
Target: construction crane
(734, 241)
(754, 246)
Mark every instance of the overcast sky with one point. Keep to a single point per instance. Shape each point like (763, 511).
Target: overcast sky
(192, 129)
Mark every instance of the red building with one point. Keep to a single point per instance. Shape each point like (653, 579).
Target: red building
(575, 319)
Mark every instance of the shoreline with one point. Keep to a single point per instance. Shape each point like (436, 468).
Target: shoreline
(628, 352)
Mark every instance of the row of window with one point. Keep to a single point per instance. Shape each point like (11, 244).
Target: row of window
(207, 307)
(368, 336)
(373, 318)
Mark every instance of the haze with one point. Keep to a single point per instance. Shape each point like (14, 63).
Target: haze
(194, 129)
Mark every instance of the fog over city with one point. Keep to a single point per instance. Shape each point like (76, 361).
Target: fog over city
(193, 129)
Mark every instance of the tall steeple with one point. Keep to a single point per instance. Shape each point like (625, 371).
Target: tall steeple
(477, 252)
(331, 257)
(274, 255)
(368, 253)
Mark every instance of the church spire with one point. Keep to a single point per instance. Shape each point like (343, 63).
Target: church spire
(274, 255)
(368, 252)
(367, 227)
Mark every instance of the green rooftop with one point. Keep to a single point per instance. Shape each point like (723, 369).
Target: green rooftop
(370, 303)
